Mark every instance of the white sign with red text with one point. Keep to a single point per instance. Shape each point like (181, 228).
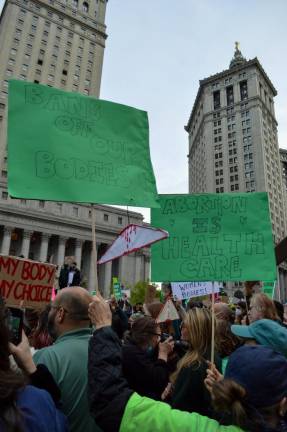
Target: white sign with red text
(131, 239)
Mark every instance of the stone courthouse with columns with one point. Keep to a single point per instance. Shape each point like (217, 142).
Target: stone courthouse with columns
(59, 43)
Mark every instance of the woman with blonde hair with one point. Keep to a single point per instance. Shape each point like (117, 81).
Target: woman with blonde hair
(262, 307)
(189, 393)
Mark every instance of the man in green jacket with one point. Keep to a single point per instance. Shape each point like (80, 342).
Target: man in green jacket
(67, 358)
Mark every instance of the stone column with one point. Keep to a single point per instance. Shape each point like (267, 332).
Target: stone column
(106, 289)
(236, 93)
(78, 252)
(61, 251)
(26, 243)
(138, 265)
(147, 274)
(107, 279)
(92, 277)
(44, 247)
(6, 240)
(123, 269)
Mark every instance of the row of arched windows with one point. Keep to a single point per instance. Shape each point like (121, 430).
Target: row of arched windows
(85, 6)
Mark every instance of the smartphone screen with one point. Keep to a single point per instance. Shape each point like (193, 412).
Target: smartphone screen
(15, 325)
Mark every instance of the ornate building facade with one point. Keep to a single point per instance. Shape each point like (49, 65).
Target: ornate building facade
(233, 142)
(59, 43)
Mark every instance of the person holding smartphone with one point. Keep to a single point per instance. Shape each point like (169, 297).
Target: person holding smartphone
(24, 408)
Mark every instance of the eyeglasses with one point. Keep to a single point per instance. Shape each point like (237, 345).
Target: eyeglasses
(59, 307)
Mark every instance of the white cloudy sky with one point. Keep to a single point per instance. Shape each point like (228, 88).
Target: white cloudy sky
(158, 50)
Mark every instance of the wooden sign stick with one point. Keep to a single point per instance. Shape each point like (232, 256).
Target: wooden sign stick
(212, 325)
(94, 249)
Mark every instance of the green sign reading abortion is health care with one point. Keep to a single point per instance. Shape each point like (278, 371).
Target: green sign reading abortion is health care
(70, 147)
(213, 237)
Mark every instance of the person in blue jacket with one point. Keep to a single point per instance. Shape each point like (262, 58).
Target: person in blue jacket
(24, 408)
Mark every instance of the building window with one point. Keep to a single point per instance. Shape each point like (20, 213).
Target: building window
(243, 90)
(120, 220)
(40, 62)
(74, 4)
(13, 51)
(64, 72)
(216, 99)
(75, 211)
(106, 217)
(85, 7)
(59, 206)
(229, 95)
(4, 173)
(4, 195)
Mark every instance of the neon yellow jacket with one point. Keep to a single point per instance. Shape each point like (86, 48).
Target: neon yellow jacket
(146, 415)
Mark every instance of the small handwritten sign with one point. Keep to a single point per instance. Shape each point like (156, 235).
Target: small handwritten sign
(187, 290)
(26, 281)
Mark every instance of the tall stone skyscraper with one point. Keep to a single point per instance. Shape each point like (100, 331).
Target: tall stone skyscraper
(233, 144)
(59, 43)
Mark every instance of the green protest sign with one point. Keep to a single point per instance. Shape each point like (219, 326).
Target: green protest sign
(70, 147)
(117, 291)
(213, 237)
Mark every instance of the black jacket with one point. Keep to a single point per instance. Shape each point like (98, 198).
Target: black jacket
(64, 277)
(43, 379)
(108, 389)
(146, 375)
(190, 393)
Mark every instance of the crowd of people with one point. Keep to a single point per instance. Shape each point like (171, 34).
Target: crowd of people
(87, 364)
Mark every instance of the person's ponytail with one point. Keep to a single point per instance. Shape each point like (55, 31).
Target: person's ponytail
(228, 397)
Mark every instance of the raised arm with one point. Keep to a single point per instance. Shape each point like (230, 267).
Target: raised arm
(108, 390)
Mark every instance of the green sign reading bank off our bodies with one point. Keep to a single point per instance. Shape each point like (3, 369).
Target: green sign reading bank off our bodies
(70, 147)
(213, 237)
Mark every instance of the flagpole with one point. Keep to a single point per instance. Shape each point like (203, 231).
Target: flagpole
(212, 325)
(94, 248)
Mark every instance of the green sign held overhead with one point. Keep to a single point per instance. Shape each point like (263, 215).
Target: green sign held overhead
(117, 291)
(70, 147)
(213, 237)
